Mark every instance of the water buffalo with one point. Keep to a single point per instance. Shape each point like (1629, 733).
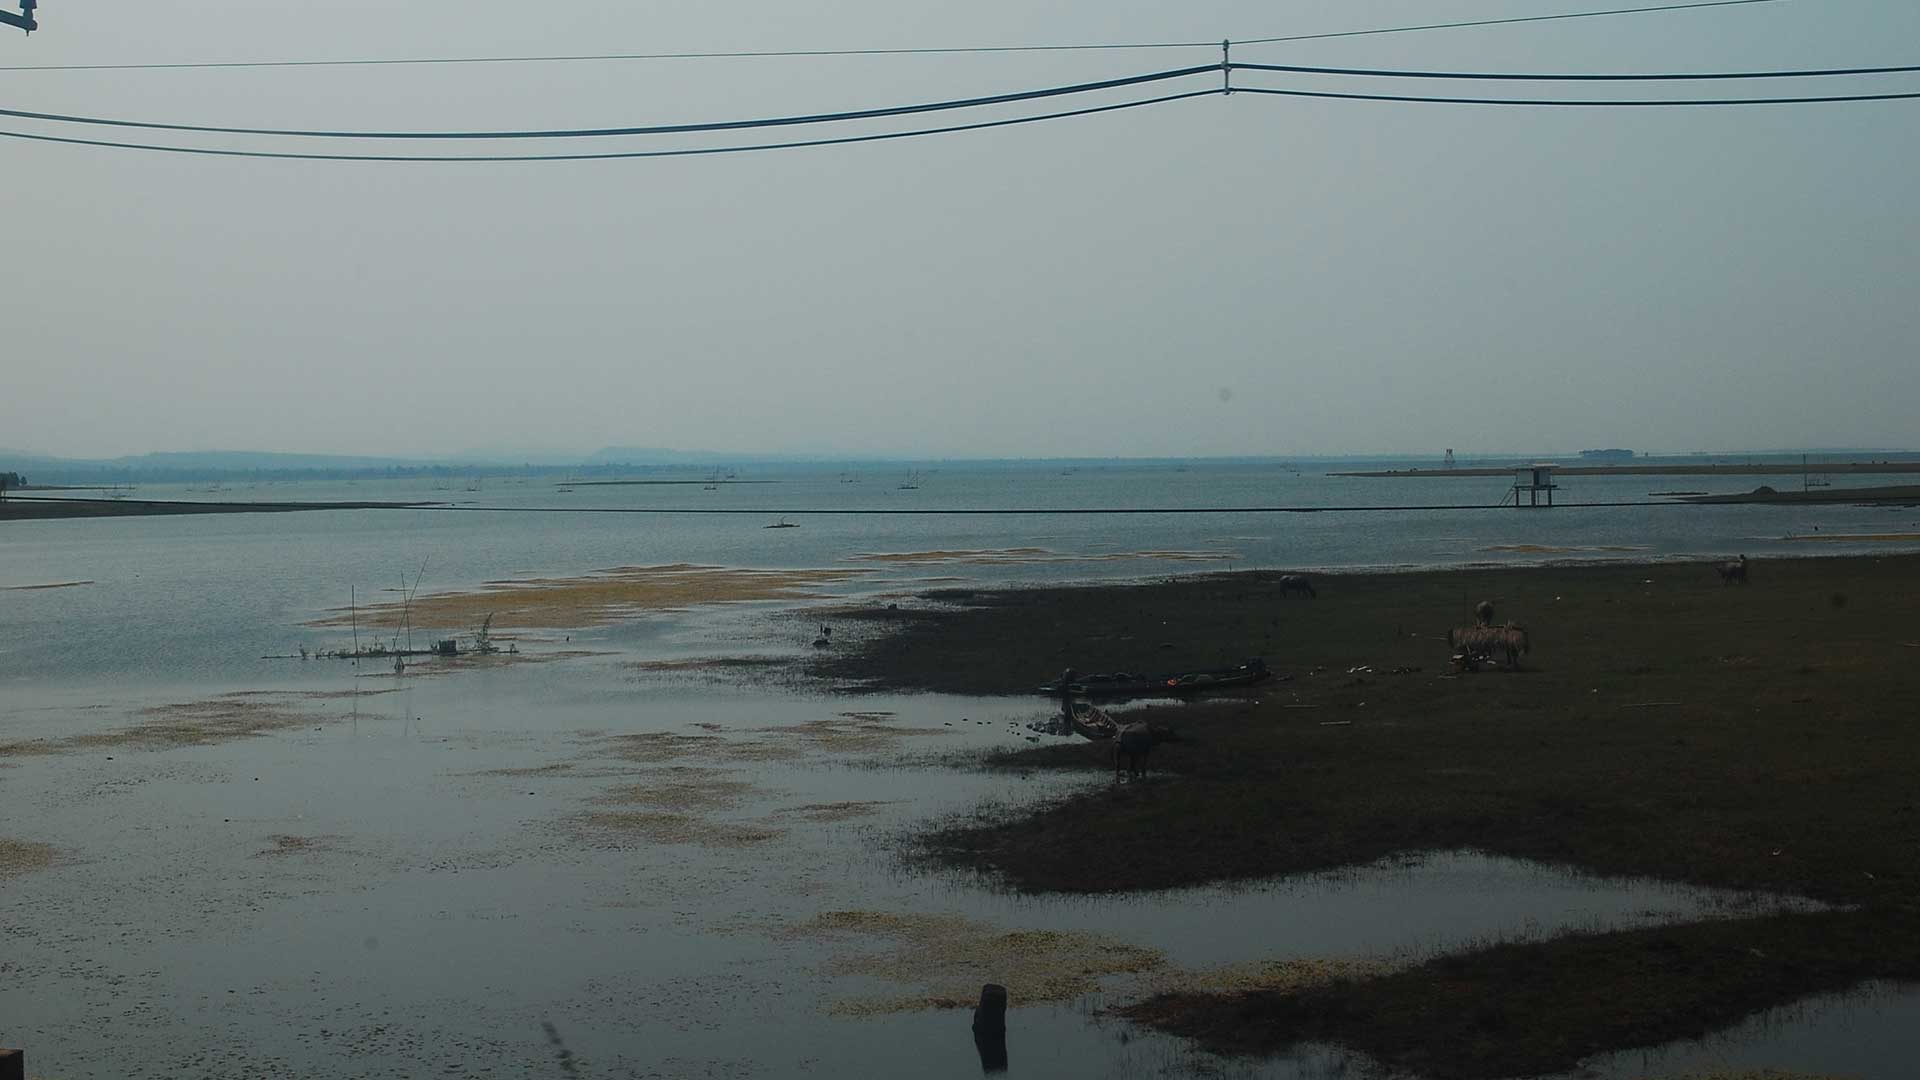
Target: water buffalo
(1732, 573)
(1483, 613)
(1296, 583)
(1134, 743)
(1477, 644)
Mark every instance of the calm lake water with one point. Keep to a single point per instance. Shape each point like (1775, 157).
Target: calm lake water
(583, 862)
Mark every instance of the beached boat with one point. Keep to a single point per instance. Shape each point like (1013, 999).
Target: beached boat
(1128, 684)
(1092, 721)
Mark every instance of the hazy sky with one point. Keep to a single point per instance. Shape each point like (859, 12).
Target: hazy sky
(1239, 275)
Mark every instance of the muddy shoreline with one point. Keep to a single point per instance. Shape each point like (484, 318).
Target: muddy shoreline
(1663, 725)
(29, 508)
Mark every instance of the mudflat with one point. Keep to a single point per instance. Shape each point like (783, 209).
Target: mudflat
(1662, 724)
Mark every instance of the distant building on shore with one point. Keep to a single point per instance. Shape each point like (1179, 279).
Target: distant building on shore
(1610, 454)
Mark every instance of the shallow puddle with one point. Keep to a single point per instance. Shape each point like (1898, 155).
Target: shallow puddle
(1869, 1034)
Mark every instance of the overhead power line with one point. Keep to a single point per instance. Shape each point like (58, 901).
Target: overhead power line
(1010, 98)
(686, 152)
(1672, 103)
(934, 51)
(1501, 22)
(982, 125)
(1686, 76)
(656, 129)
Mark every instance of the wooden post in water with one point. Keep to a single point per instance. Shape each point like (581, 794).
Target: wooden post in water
(990, 1028)
(13, 1065)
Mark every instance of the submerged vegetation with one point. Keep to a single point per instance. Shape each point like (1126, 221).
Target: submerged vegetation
(23, 856)
(591, 599)
(238, 715)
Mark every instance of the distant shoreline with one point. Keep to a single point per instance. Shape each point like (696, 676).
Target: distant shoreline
(18, 508)
(1781, 469)
(654, 483)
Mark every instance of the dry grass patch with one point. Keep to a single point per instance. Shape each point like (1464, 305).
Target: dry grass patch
(941, 961)
(594, 599)
(24, 856)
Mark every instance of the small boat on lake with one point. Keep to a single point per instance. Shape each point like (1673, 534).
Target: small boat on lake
(1093, 722)
(1123, 684)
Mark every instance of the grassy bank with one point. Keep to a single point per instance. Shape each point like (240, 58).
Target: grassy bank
(1664, 725)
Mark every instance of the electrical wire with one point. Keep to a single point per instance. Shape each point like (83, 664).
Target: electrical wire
(765, 54)
(1575, 102)
(1295, 69)
(660, 129)
(600, 57)
(690, 152)
(892, 135)
(1496, 22)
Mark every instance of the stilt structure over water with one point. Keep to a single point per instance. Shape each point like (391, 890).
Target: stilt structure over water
(1532, 480)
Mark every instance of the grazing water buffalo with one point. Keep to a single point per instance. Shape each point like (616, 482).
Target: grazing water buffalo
(1296, 583)
(1477, 644)
(1513, 642)
(1733, 573)
(1134, 743)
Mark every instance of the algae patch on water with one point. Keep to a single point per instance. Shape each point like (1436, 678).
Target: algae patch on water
(1553, 549)
(941, 961)
(24, 856)
(831, 812)
(656, 747)
(1022, 556)
(666, 827)
(851, 733)
(682, 789)
(1278, 975)
(595, 599)
(294, 845)
(708, 664)
(225, 718)
(847, 733)
(1854, 538)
